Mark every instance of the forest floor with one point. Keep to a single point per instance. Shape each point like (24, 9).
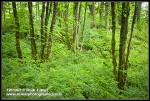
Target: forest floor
(86, 74)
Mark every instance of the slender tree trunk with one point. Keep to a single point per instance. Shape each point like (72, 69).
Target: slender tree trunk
(113, 43)
(129, 43)
(60, 20)
(33, 44)
(49, 46)
(83, 26)
(19, 52)
(75, 27)
(80, 7)
(46, 25)
(106, 16)
(42, 31)
(122, 46)
(66, 25)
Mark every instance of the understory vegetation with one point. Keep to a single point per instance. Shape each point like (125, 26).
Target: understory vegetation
(86, 74)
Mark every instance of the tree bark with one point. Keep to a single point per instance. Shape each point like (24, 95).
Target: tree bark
(33, 44)
(42, 31)
(113, 38)
(46, 25)
(75, 27)
(83, 26)
(66, 25)
(50, 40)
(122, 46)
(19, 52)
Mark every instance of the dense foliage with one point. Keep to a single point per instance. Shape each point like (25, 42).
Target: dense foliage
(86, 74)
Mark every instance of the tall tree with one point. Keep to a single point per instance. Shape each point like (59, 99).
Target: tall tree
(19, 52)
(33, 44)
(118, 13)
(75, 26)
(42, 31)
(106, 16)
(83, 26)
(129, 43)
(80, 8)
(113, 38)
(122, 46)
(66, 24)
(50, 39)
(60, 15)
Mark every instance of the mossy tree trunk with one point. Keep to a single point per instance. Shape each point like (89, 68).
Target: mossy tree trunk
(42, 31)
(33, 44)
(122, 46)
(82, 38)
(66, 25)
(50, 38)
(113, 43)
(19, 52)
(75, 26)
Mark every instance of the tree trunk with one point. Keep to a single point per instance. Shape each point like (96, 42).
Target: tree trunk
(42, 31)
(83, 26)
(19, 52)
(106, 16)
(46, 25)
(113, 38)
(66, 25)
(80, 7)
(49, 46)
(123, 37)
(129, 43)
(118, 12)
(33, 45)
(75, 27)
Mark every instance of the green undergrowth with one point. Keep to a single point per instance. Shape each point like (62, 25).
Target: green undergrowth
(86, 74)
